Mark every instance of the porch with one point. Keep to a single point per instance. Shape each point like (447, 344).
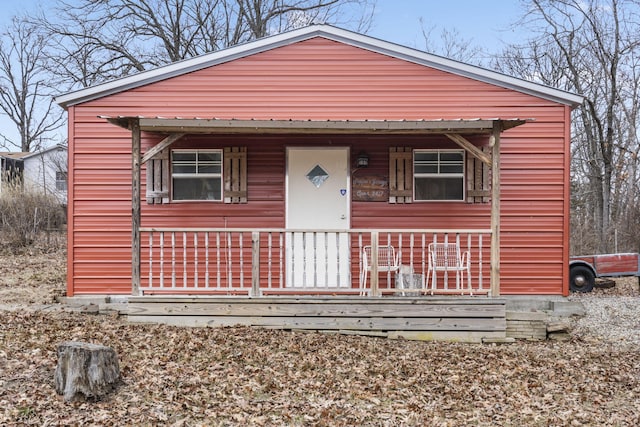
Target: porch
(317, 278)
(298, 259)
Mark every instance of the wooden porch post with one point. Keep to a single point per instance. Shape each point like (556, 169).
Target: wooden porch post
(375, 291)
(135, 206)
(495, 209)
(255, 264)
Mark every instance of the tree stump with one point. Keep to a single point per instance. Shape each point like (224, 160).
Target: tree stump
(85, 369)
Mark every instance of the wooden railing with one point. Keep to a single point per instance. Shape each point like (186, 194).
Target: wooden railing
(280, 261)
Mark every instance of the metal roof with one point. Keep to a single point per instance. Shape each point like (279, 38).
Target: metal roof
(398, 127)
(27, 154)
(57, 147)
(14, 154)
(331, 33)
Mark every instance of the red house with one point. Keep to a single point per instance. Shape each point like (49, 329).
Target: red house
(293, 165)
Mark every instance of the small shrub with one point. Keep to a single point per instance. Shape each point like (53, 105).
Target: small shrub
(24, 214)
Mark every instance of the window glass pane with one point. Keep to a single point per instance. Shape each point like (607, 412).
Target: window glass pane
(451, 168)
(213, 169)
(179, 156)
(421, 168)
(439, 189)
(427, 189)
(447, 156)
(453, 188)
(422, 156)
(197, 188)
(317, 176)
(180, 168)
(209, 156)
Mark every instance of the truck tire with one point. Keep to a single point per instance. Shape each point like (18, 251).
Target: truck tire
(581, 279)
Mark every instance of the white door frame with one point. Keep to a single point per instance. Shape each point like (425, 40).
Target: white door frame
(335, 271)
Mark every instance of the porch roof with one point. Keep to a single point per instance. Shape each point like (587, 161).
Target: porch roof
(270, 126)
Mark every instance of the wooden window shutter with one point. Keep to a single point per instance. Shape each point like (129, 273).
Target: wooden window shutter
(158, 178)
(400, 175)
(478, 179)
(235, 175)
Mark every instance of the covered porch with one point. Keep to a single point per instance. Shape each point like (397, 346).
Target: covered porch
(300, 278)
(249, 252)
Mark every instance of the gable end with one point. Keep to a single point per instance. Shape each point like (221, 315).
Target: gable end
(331, 33)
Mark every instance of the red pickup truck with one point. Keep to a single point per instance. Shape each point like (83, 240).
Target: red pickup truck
(584, 269)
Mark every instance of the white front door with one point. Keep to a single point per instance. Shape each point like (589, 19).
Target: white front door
(318, 207)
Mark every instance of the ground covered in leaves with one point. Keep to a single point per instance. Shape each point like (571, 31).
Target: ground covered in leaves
(245, 376)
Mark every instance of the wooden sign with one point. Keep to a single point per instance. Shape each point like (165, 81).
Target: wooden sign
(370, 188)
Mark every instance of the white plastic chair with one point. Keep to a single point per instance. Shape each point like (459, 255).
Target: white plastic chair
(388, 261)
(447, 257)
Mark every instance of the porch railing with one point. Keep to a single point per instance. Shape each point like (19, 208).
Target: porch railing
(258, 262)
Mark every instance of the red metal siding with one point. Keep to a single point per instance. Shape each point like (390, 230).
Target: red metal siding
(70, 201)
(319, 79)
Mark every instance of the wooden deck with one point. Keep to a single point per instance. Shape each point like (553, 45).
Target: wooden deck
(465, 319)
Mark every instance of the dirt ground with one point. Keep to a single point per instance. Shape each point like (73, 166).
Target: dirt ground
(244, 376)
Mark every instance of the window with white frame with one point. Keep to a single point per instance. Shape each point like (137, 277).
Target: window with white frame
(196, 175)
(61, 181)
(438, 175)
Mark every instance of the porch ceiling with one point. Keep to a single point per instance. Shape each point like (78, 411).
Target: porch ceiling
(393, 127)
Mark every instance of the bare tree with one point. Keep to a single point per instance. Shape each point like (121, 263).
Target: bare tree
(25, 91)
(590, 47)
(450, 44)
(97, 40)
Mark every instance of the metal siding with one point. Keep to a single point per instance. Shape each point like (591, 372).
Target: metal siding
(317, 79)
(87, 192)
(71, 143)
(530, 239)
(525, 161)
(532, 192)
(567, 202)
(101, 238)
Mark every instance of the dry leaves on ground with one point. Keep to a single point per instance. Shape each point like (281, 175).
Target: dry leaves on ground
(246, 376)
(34, 276)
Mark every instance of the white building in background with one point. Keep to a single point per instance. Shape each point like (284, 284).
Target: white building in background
(44, 170)
(47, 170)
(11, 168)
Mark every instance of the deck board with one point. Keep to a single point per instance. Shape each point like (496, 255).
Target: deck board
(303, 308)
(346, 323)
(469, 319)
